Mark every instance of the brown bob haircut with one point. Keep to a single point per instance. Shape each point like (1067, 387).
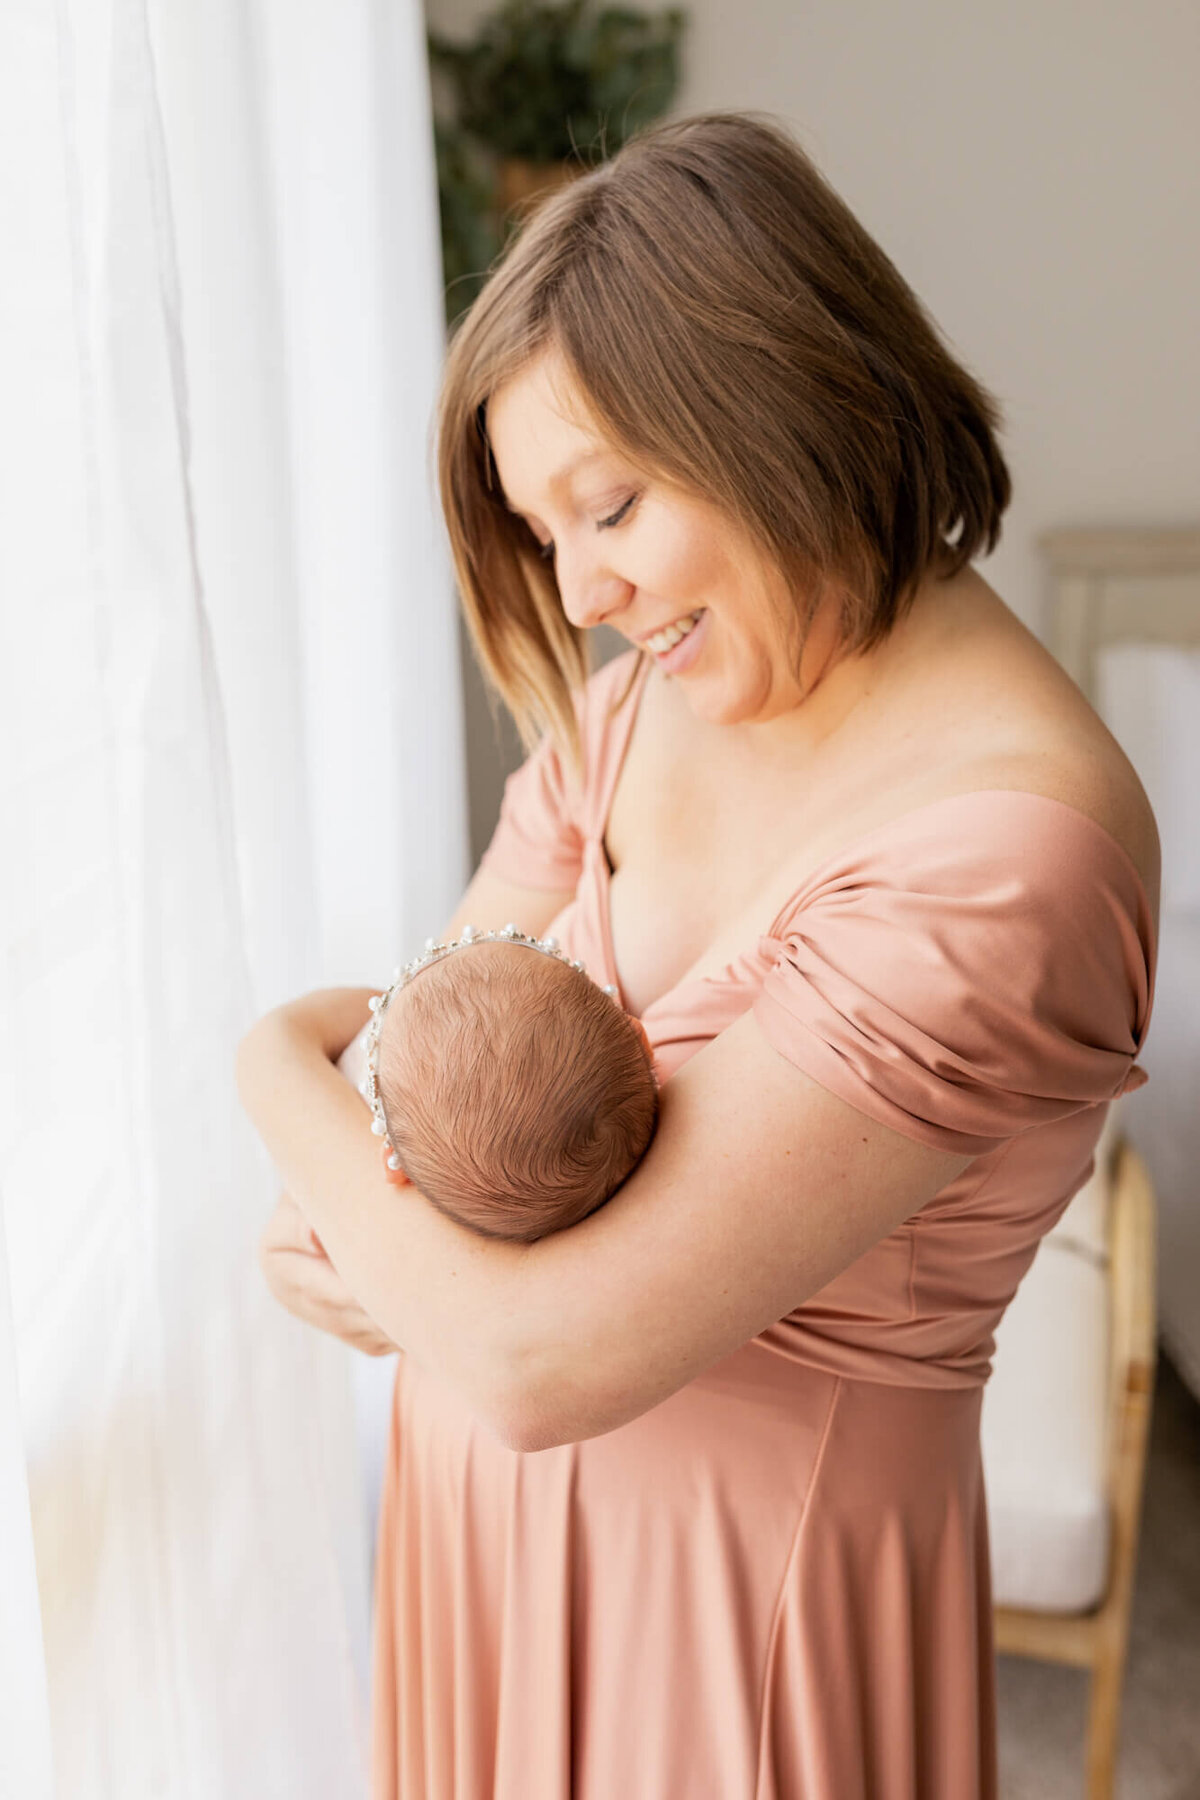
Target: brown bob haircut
(731, 329)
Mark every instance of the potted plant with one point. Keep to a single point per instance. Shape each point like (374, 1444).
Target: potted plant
(537, 87)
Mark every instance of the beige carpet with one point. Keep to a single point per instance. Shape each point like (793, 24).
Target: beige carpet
(1043, 1707)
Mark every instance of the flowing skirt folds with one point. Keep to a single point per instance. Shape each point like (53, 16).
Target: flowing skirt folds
(773, 1586)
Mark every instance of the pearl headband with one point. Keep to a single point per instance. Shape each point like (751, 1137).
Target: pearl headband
(435, 952)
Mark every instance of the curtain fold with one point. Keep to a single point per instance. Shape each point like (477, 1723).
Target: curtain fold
(230, 769)
(25, 1755)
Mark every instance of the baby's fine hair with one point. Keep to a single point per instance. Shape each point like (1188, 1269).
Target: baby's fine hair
(518, 1095)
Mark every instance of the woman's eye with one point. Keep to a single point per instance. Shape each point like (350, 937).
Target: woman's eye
(546, 551)
(615, 518)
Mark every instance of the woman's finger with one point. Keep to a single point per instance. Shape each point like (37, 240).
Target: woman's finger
(302, 1279)
(288, 1229)
(310, 1288)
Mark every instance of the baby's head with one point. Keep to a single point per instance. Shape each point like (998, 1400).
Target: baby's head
(518, 1094)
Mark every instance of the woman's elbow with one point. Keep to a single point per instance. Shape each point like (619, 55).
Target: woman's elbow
(528, 1434)
(516, 1435)
(544, 1414)
(520, 1423)
(247, 1064)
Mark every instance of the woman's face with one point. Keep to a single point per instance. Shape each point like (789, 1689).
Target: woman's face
(638, 554)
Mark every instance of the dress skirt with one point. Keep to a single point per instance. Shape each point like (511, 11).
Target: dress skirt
(772, 1586)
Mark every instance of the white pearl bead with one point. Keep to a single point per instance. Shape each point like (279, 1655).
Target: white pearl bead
(378, 1127)
(549, 943)
(430, 944)
(510, 930)
(469, 931)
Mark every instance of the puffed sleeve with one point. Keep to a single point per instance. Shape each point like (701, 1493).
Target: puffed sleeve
(537, 841)
(971, 971)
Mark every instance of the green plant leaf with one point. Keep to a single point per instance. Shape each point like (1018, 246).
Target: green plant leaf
(543, 82)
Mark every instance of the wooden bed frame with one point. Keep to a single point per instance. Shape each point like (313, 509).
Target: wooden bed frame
(1098, 1640)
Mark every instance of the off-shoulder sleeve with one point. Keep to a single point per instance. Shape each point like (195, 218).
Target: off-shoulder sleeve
(974, 970)
(538, 841)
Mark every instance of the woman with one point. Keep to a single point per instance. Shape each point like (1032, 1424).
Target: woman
(685, 1503)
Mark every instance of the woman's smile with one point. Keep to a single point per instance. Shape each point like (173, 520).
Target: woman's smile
(645, 557)
(651, 561)
(677, 648)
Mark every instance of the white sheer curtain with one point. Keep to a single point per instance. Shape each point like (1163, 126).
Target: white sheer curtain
(230, 768)
(25, 1756)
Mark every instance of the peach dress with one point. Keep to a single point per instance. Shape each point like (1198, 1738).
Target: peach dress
(775, 1584)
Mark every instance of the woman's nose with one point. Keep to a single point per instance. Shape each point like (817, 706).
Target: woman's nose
(589, 590)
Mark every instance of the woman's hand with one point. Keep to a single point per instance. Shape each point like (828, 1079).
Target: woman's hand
(302, 1279)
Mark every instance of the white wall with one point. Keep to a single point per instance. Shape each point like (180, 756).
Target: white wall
(1034, 172)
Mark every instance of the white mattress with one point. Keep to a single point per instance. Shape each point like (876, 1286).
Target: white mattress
(1044, 1415)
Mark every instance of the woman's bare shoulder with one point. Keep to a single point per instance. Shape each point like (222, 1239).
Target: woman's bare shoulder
(1095, 778)
(1022, 723)
(971, 701)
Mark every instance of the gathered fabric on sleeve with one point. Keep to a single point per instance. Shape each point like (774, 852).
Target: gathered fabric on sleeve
(538, 841)
(968, 972)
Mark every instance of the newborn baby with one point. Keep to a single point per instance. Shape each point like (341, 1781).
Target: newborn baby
(515, 1093)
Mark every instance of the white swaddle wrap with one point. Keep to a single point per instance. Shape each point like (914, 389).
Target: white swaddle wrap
(353, 1060)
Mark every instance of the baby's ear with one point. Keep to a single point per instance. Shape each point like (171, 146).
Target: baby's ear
(397, 1177)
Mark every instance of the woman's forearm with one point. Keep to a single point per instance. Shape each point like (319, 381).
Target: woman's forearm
(447, 1296)
(330, 1018)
